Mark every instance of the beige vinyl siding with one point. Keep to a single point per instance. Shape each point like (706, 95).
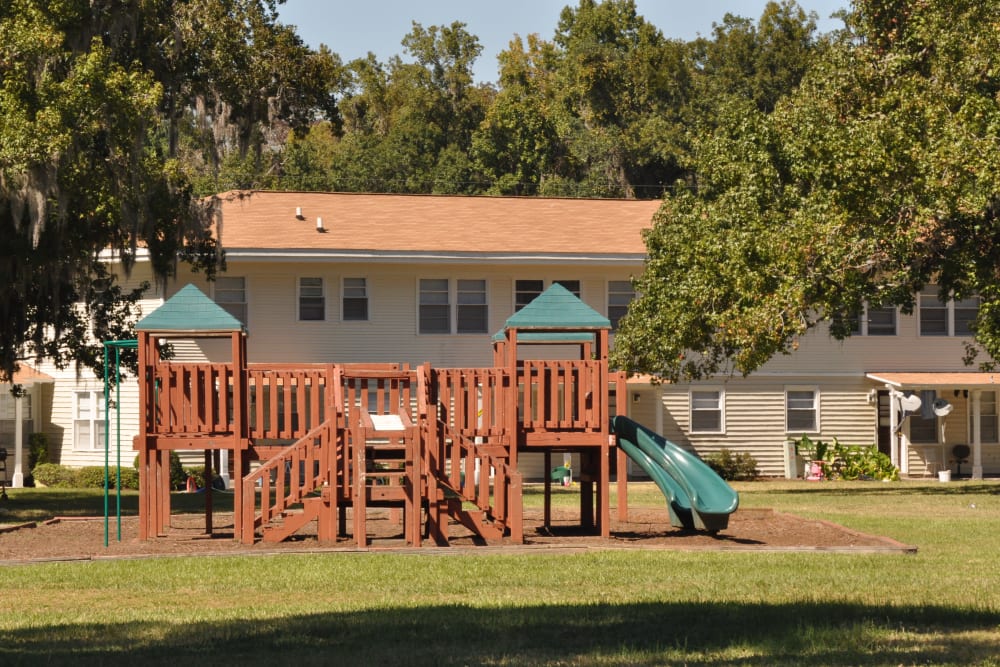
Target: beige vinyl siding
(820, 354)
(391, 332)
(755, 418)
(59, 410)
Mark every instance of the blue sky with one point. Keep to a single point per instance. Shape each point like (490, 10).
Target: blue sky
(354, 28)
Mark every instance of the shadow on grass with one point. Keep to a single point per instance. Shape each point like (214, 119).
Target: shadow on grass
(24, 505)
(639, 634)
(835, 488)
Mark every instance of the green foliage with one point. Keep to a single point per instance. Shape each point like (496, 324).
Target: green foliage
(178, 477)
(38, 449)
(878, 176)
(739, 467)
(55, 475)
(63, 477)
(847, 462)
(108, 116)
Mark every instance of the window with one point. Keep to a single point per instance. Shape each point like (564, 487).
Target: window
(875, 321)
(471, 313)
(525, 291)
(88, 420)
(231, 293)
(435, 311)
(955, 317)
(802, 410)
(933, 313)
(354, 306)
(987, 417)
(312, 300)
(707, 415)
(620, 295)
(965, 313)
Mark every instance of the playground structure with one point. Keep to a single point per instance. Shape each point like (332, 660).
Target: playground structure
(439, 446)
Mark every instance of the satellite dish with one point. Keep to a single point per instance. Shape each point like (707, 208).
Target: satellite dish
(910, 403)
(942, 408)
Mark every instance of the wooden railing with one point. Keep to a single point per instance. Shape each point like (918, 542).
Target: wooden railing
(288, 401)
(471, 450)
(308, 465)
(193, 399)
(561, 396)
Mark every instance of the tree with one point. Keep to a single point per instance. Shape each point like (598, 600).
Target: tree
(879, 176)
(620, 87)
(97, 100)
(407, 126)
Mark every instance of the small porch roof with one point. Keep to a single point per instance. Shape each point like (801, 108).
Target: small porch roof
(27, 376)
(935, 379)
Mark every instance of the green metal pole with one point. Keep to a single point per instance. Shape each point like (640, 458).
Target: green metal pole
(106, 444)
(118, 433)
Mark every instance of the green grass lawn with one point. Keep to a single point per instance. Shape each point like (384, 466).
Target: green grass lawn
(939, 606)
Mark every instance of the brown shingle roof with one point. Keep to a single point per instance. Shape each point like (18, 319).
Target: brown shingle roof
(429, 224)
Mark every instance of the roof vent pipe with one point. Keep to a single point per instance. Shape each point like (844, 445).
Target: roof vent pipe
(298, 213)
(319, 225)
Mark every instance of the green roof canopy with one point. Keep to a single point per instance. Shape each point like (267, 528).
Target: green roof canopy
(557, 308)
(189, 310)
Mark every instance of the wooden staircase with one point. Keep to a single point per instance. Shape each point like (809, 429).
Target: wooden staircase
(295, 486)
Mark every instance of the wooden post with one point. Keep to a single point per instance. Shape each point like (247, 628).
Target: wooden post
(547, 518)
(208, 493)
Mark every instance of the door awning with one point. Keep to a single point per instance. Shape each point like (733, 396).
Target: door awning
(26, 375)
(936, 380)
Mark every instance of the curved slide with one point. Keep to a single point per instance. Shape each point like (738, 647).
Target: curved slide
(696, 496)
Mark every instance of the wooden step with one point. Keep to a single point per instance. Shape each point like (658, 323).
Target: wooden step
(293, 521)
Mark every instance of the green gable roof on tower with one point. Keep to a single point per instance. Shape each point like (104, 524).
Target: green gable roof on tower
(189, 310)
(557, 308)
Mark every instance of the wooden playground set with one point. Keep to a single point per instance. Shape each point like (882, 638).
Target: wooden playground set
(329, 442)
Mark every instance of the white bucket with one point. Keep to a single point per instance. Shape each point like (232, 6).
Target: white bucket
(944, 475)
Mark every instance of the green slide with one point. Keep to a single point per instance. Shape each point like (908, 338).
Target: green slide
(696, 496)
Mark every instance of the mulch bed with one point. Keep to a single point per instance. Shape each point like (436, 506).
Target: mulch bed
(749, 530)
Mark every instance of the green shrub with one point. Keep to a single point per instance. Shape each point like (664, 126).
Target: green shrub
(733, 467)
(851, 462)
(38, 449)
(197, 473)
(178, 476)
(88, 477)
(55, 475)
(130, 478)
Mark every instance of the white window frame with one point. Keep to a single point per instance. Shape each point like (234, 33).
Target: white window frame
(949, 307)
(464, 294)
(94, 419)
(609, 293)
(238, 309)
(863, 323)
(300, 295)
(344, 298)
(720, 408)
(454, 295)
(815, 409)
